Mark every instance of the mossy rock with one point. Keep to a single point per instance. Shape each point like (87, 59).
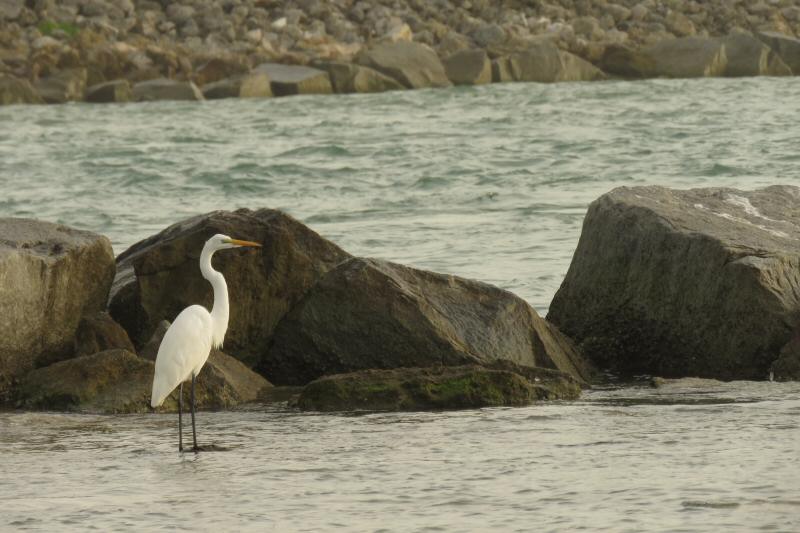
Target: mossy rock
(412, 389)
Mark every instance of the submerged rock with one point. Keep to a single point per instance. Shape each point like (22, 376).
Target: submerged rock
(52, 276)
(409, 389)
(117, 381)
(367, 313)
(160, 276)
(685, 283)
(292, 79)
(164, 89)
(414, 65)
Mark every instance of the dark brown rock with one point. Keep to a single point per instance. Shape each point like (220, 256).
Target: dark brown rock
(98, 333)
(468, 67)
(367, 313)
(160, 276)
(52, 276)
(110, 91)
(117, 381)
(293, 79)
(626, 62)
(685, 283)
(219, 68)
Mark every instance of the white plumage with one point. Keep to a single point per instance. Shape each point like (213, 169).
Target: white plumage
(188, 341)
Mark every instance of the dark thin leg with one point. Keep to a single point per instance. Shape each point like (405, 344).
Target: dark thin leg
(194, 431)
(180, 419)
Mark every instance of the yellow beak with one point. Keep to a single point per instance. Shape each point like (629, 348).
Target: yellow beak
(237, 242)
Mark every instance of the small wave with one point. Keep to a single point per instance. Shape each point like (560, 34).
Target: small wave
(710, 505)
(329, 150)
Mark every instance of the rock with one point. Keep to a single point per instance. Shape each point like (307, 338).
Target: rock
(544, 62)
(410, 389)
(52, 276)
(787, 47)
(412, 64)
(787, 366)
(17, 91)
(401, 32)
(150, 350)
(468, 67)
(11, 9)
(627, 62)
(64, 86)
(367, 313)
(501, 70)
(292, 79)
(159, 276)
(488, 35)
(255, 85)
(685, 283)
(679, 24)
(220, 68)
(748, 56)
(98, 333)
(165, 89)
(110, 91)
(351, 78)
(117, 381)
(688, 57)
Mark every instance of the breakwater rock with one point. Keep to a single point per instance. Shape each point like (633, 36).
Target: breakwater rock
(58, 51)
(302, 308)
(702, 282)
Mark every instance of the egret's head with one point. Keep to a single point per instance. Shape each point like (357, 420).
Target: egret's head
(223, 242)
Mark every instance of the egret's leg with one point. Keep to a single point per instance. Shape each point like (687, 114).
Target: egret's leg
(194, 431)
(180, 418)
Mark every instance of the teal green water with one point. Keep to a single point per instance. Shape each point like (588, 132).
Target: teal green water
(490, 183)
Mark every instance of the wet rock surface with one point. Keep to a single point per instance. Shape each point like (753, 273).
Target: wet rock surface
(411, 389)
(685, 283)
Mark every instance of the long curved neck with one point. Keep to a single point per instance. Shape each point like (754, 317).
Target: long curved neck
(220, 311)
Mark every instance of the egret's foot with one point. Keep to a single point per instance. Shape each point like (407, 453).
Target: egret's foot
(209, 448)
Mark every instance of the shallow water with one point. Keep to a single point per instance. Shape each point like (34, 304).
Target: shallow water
(488, 182)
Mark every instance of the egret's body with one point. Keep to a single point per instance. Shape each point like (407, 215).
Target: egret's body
(189, 339)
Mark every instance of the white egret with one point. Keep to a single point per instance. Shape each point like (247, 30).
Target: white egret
(188, 341)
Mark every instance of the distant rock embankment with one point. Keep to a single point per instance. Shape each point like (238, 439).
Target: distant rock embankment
(77, 336)
(704, 282)
(124, 50)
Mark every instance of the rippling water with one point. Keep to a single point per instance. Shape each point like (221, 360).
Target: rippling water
(488, 182)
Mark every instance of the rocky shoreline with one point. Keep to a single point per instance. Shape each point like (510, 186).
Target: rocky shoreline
(125, 50)
(663, 282)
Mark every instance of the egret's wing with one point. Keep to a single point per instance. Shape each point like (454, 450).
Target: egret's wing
(185, 345)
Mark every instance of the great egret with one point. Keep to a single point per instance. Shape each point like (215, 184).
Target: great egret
(188, 341)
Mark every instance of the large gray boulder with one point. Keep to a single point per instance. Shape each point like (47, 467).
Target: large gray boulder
(468, 67)
(293, 79)
(414, 65)
(160, 276)
(687, 57)
(117, 381)
(685, 283)
(786, 46)
(51, 276)
(17, 91)
(367, 313)
(442, 387)
(165, 89)
(352, 78)
(253, 85)
(748, 56)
